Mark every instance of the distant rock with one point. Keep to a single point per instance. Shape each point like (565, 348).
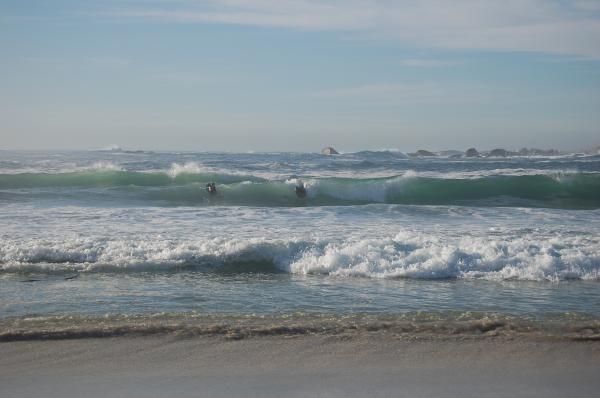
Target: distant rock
(329, 151)
(537, 152)
(421, 152)
(498, 153)
(472, 153)
(390, 154)
(544, 152)
(450, 153)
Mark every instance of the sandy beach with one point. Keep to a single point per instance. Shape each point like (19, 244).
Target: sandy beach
(375, 365)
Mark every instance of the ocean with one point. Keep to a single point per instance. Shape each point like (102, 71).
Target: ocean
(128, 235)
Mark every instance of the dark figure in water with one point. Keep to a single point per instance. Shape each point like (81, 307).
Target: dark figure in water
(211, 188)
(300, 190)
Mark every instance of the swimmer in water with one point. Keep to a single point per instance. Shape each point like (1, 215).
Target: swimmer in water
(211, 188)
(300, 190)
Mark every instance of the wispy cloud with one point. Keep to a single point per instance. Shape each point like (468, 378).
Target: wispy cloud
(70, 63)
(428, 62)
(108, 62)
(548, 26)
(381, 90)
(397, 93)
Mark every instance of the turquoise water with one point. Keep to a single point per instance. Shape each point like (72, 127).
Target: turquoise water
(93, 233)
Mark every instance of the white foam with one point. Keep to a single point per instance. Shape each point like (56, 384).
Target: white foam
(405, 255)
(62, 168)
(108, 166)
(500, 172)
(421, 256)
(187, 168)
(178, 169)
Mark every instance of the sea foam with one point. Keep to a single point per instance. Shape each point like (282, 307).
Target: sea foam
(187, 168)
(405, 255)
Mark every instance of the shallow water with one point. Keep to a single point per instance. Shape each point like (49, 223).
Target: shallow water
(276, 294)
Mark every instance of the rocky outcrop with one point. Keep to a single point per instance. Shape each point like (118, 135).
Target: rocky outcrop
(329, 151)
(422, 152)
(472, 153)
(451, 153)
(498, 153)
(537, 152)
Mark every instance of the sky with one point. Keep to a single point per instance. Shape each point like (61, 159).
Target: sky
(298, 75)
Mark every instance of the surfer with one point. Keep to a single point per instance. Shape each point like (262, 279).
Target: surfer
(300, 190)
(211, 188)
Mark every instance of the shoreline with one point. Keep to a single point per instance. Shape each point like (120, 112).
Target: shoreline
(415, 325)
(378, 364)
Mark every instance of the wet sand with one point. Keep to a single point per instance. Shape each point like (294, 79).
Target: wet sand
(373, 365)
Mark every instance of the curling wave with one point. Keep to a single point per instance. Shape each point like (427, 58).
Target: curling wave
(185, 185)
(112, 177)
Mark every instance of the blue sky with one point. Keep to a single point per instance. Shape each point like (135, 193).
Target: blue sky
(299, 74)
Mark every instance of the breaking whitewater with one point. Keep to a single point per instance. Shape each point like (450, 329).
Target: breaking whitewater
(95, 233)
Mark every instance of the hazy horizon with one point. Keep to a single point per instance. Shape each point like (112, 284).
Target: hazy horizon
(341, 150)
(298, 75)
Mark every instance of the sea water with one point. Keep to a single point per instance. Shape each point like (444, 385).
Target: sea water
(116, 233)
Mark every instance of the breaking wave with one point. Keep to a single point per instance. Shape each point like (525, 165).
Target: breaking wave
(406, 255)
(184, 184)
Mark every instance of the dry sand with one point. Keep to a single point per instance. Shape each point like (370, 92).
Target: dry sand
(369, 365)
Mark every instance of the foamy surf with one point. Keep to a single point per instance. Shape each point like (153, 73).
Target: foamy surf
(135, 233)
(405, 255)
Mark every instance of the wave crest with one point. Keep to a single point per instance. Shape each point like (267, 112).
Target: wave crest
(184, 184)
(406, 255)
(187, 168)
